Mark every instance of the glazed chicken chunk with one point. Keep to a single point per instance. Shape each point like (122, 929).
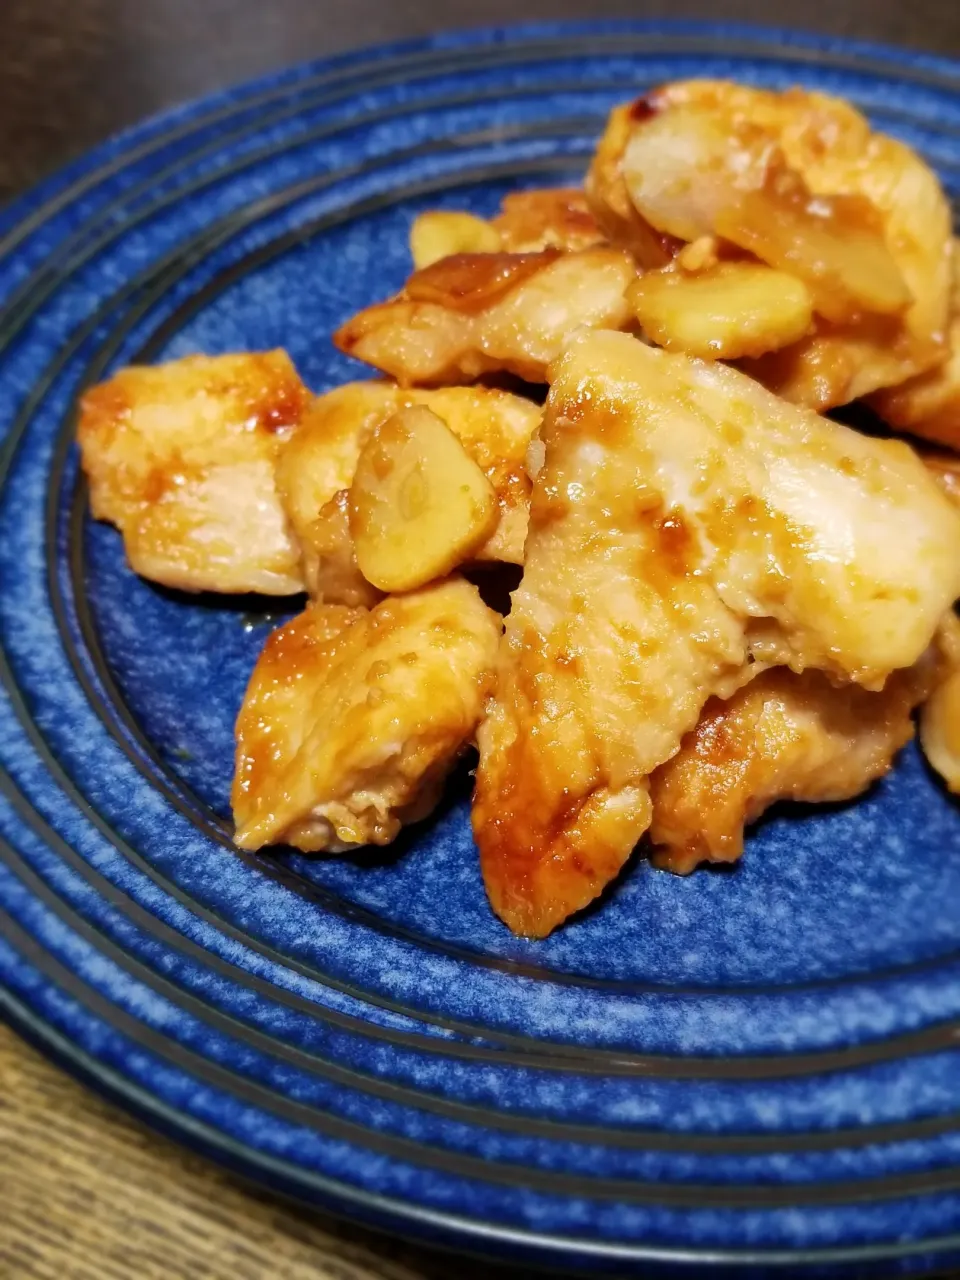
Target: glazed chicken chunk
(529, 222)
(181, 459)
(353, 718)
(317, 467)
(929, 404)
(476, 313)
(548, 218)
(687, 531)
(782, 737)
(798, 183)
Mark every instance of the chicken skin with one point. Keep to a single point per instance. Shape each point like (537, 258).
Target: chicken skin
(353, 718)
(181, 459)
(799, 182)
(476, 313)
(319, 462)
(782, 737)
(687, 531)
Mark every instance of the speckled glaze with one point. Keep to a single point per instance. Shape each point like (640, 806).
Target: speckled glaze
(757, 1069)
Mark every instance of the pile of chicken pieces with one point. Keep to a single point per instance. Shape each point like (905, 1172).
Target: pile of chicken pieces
(726, 598)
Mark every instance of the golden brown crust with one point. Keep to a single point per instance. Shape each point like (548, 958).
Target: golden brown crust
(687, 530)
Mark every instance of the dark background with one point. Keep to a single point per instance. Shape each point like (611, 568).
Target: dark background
(73, 71)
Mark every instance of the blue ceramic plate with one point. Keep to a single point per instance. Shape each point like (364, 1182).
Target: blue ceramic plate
(758, 1067)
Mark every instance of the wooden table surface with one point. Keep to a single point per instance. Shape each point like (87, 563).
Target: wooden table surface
(85, 1193)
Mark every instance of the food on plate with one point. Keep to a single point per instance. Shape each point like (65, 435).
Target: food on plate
(529, 222)
(553, 218)
(353, 718)
(940, 715)
(784, 736)
(440, 233)
(419, 504)
(945, 469)
(929, 404)
(687, 530)
(798, 181)
(320, 460)
(726, 600)
(181, 459)
(730, 310)
(331, 571)
(479, 313)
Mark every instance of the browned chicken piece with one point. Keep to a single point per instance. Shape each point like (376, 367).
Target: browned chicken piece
(687, 530)
(320, 460)
(929, 405)
(940, 716)
(353, 719)
(799, 182)
(529, 222)
(181, 459)
(476, 313)
(549, 218)
(330, 558)
(782, 737)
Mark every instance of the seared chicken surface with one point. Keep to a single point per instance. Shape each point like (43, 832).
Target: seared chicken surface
(529, 222)
(320, 461)
(929, 404)
(477, 313)
(782, 737)
(181, 459)
(687, 530)
(549, 218)
(353, 719)
(940, 717)
(799, 182)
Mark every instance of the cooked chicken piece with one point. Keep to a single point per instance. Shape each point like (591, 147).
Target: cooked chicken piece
(609, 196)
(799, 181)
(929, 405)
(549, 218)
(687, 530)
(439, 233)
(530, 221)
(945, 469)
(353, 719)
(330, 558)
(727, 311)
(320, 460)
(180, 458)
(940, 716)
(782, 737)
(477, 313)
